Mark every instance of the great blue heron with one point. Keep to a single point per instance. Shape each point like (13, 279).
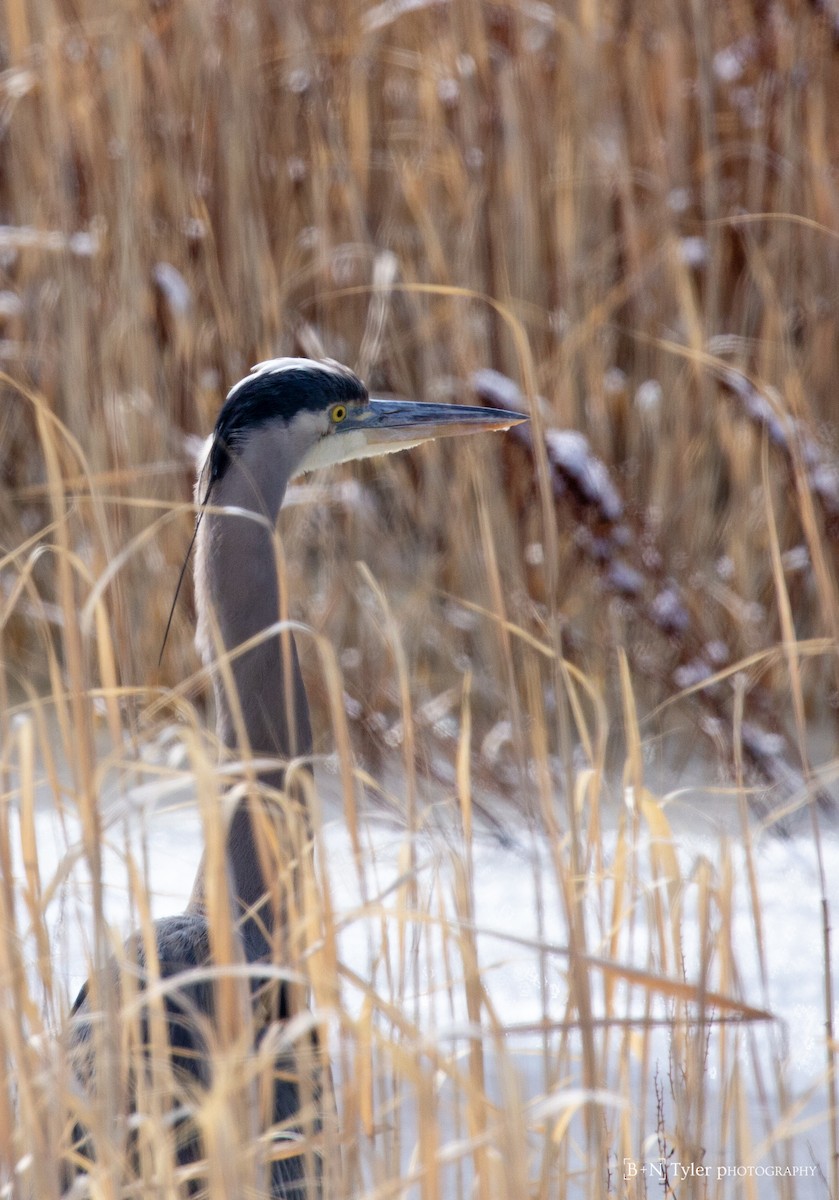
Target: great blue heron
(287, 417)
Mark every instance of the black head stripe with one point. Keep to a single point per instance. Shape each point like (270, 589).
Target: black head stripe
(266, 395)
(277, 394)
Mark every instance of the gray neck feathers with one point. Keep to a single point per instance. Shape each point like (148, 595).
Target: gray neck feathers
(261, 704)
(237, 574)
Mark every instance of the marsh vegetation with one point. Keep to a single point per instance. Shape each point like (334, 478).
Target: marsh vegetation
(622, 217)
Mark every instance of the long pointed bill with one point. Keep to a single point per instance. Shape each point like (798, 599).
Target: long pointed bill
(385, 426)
(389, 419)
(389, 425)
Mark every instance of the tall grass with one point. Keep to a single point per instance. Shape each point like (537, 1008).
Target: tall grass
(630, 214)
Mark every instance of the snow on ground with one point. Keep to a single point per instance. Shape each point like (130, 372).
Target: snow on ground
(524, 986)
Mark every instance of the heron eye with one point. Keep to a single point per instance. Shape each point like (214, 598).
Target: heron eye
(338, 413)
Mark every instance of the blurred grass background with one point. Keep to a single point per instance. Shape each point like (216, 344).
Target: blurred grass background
(628, 213)
(622, 208)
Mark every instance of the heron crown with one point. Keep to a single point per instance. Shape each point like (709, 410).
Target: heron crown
(278, 388)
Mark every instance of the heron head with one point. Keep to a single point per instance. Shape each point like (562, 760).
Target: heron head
(320, 413)
(293, 415)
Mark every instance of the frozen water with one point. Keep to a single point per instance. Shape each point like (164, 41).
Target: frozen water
(523, 935)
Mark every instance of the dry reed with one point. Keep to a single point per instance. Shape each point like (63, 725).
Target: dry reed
(629, 213)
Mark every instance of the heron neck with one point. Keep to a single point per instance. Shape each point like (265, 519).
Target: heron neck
(261, 706)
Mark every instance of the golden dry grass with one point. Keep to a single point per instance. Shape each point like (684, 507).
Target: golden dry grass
(630, 211)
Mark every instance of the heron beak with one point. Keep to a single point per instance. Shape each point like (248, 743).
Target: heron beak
(399, 424)
(385, 426)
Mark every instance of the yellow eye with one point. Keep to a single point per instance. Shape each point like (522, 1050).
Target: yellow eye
(338, 413)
